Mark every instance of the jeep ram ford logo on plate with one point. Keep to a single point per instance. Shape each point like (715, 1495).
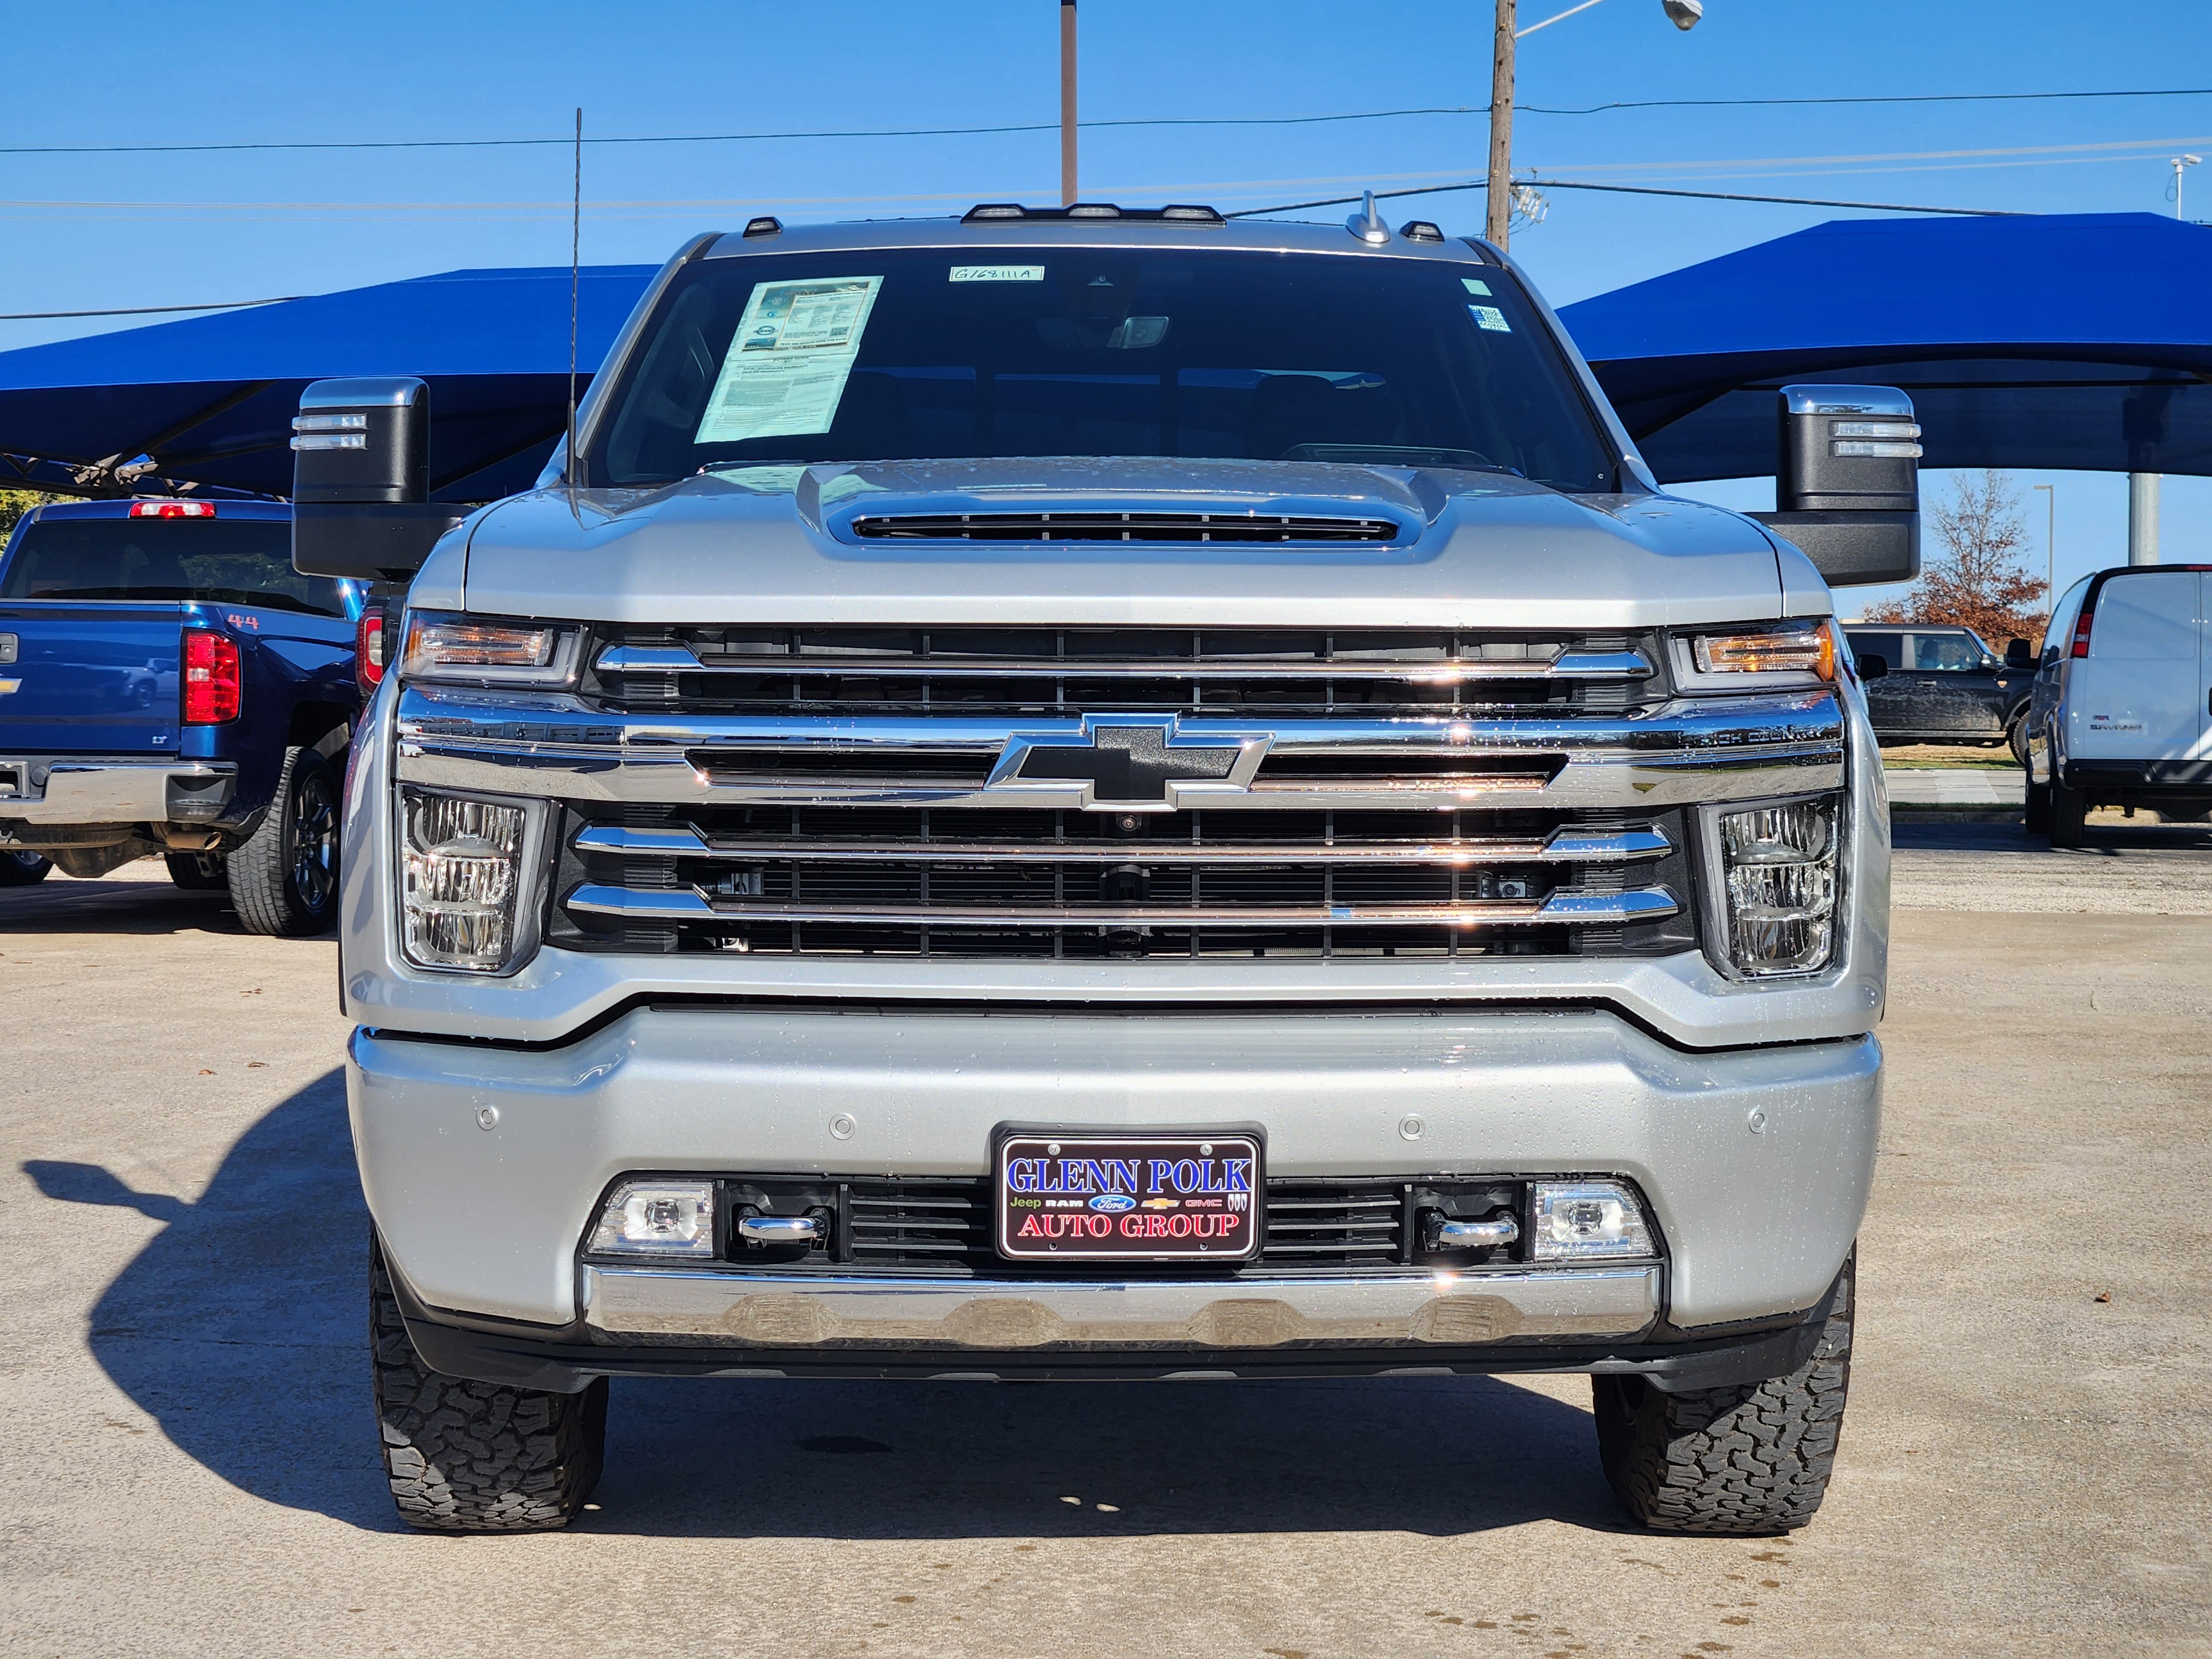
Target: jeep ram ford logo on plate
(1129, 1197)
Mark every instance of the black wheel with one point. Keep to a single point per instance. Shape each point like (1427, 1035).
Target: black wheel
(23, 869)
(464, 1456)
(285, 880)
(1752, 1460)
(197, 872)
(2069, 808)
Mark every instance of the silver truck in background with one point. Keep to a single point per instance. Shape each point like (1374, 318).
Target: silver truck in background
(1097, 792)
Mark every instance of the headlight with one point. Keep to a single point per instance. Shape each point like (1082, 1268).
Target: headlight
(1725, 660)
(464, 873)
(1773, 872)
(460, 650)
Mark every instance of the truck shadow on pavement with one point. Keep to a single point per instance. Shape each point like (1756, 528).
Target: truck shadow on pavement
(61, 905)
(240, 1328)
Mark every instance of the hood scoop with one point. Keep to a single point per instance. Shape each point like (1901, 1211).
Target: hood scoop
(1094, 525)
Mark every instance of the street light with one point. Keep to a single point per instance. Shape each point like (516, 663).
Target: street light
(1682, 14)
(2177, 163)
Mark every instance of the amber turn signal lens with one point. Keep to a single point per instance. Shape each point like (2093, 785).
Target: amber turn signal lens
(1801, 648)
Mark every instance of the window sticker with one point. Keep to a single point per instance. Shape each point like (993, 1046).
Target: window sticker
(997, 274)
(789, 360)
(1474, 287)
(1490, 316)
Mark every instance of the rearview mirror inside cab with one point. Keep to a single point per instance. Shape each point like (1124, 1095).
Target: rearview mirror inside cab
(1847, 482)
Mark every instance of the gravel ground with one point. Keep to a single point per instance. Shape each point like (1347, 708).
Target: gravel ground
(2127, 868)
(190, 1468)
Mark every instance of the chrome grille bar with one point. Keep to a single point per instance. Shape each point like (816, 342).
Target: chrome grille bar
(1561, 847)
(1570, 909)
(626, 660)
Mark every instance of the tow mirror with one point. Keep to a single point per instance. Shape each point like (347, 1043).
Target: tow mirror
(2018, 653)
(1847, 482)
(1873, 666)
(361, 480)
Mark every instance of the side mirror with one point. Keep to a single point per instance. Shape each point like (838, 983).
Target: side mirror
(1873, 666)
(2018, 653)
(361, 480)
(2050, 659)
(1847, 482)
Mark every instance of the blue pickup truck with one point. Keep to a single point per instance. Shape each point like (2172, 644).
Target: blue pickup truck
(170, 687)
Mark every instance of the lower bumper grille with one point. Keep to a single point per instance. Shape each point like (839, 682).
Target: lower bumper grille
(942, 1224)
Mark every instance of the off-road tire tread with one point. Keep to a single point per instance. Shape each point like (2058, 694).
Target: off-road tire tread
(466, 1456)
(1748, 1461)
(260, 870)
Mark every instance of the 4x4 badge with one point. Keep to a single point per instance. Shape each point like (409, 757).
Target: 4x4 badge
(1128, 763)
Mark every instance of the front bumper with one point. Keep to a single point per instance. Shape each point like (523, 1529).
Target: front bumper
(43, 790)
(483, 1166)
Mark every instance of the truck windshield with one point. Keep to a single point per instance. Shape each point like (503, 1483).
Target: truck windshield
(916, 353)
(225, 560)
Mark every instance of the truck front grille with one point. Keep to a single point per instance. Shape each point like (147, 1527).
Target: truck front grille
(1115, 794)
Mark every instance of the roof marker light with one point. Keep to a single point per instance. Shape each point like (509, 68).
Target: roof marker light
(172, 509)
(767, 224)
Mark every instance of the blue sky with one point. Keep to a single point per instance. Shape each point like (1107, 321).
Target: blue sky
(84, 231)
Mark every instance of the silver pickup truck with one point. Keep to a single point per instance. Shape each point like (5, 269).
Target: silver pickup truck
(1106, 794)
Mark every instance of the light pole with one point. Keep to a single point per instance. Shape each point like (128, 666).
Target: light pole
(1682, 14)
(1067, 103)
(2178, 164)
(2050, 558)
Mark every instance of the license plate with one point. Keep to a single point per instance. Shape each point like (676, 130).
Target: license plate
(1128, 1196)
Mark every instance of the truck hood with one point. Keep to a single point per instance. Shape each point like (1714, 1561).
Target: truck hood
(775, 544)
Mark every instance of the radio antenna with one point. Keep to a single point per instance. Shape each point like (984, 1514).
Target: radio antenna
(575, 281)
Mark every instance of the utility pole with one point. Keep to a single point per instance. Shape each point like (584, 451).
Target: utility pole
(1500, 180)
(2049, 557)
(1067, 101)
(2142, 486)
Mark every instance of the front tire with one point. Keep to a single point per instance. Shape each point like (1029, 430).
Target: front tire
(23, 869)
(465, 1456)
(1752, 1461)
(285, 880)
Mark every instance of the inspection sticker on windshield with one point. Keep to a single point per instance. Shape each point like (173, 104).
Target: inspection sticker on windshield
(998, 274)
(1490, 316)
(789, 360)
(1474, 286)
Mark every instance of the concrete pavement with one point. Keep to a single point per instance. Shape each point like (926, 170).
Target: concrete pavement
(189, 1462)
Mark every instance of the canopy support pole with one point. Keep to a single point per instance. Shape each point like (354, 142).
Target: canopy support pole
(2142, 518)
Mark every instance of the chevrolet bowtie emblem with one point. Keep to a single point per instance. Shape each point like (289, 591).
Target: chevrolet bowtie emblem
(1128, 763)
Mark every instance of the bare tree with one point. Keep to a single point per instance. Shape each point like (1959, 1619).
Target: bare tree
(1977, 580)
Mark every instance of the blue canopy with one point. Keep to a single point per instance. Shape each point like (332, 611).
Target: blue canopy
(212, 399)
(2065, 341)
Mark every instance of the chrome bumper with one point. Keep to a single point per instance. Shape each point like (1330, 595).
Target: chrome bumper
(644, 1306)
(164, 791)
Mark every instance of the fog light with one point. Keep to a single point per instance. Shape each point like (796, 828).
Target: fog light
(1586, 1221)
(660, 1218)
(461, 878)
(1777, 880)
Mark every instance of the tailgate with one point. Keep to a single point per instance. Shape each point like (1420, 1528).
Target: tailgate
(89, 678)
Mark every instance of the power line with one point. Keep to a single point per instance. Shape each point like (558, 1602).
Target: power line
(145, 310)
(1130, 121)
(1637, 190)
